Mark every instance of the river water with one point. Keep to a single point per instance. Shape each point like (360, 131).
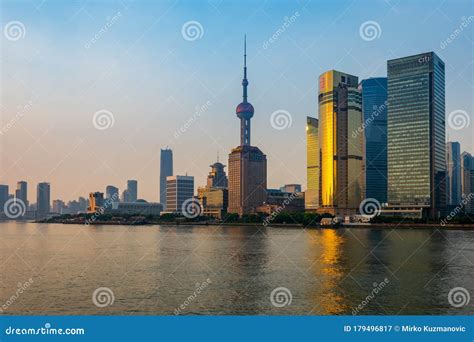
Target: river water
(211, 270)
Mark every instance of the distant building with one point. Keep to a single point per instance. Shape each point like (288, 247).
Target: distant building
(126, 197)
(43, 200)
(4, 194)
(166, 170)
(453, 173)
(374, 108)
(112, 193)
(467, 179)
(247, 164)
(132, 190)
(214, 197)
(217, 177)
(58, 206)
(291, 188)
(416, 133)
(75, 207)
(96, 202)
(21, 192)
(178, 190)
(342, 152)
(140, 207)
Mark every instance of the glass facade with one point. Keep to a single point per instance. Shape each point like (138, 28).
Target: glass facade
(416, 131)
(312, 162)
(467, 179)
(178, 190)
(374, 107)
(453, 173)
(43, 194)
(342, 166)
(166, 170)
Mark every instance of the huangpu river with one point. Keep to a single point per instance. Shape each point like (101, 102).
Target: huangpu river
(54, 269)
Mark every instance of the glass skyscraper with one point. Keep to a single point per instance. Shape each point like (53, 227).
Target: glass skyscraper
(43, 200)
(416, 132)
(132, 190)
(21, 192)
(467, 179)
(453, 175)
(166, 170)
(342, 153)
(312, 164)
(374, 108)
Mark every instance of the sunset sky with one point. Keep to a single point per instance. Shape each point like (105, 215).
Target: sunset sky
(150, 75)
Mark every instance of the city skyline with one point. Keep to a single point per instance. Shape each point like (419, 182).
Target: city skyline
(284, 77)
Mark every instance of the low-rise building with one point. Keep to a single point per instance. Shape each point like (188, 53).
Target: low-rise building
(139, 207)
(280, 201)
(213, 201)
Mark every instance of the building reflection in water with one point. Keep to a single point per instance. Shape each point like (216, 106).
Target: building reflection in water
(326, 247)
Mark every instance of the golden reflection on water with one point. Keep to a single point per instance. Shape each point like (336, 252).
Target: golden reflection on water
(326, 245)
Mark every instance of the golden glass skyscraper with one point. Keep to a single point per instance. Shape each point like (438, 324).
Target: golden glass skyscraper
(342, 152)
(312, 165)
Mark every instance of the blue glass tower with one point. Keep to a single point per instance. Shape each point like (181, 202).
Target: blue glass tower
(453, 173)
(374, 108)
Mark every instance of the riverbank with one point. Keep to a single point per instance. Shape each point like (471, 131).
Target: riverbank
(376, 226)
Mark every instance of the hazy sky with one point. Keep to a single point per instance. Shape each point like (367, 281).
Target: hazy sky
(68, 60)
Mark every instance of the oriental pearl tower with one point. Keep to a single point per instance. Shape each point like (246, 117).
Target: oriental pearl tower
(245, 109)
(247, 164)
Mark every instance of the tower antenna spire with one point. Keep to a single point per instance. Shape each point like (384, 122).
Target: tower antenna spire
(245, 51)
(245, 82)
(245, 110)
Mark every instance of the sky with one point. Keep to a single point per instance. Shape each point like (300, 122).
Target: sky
(92, 90)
